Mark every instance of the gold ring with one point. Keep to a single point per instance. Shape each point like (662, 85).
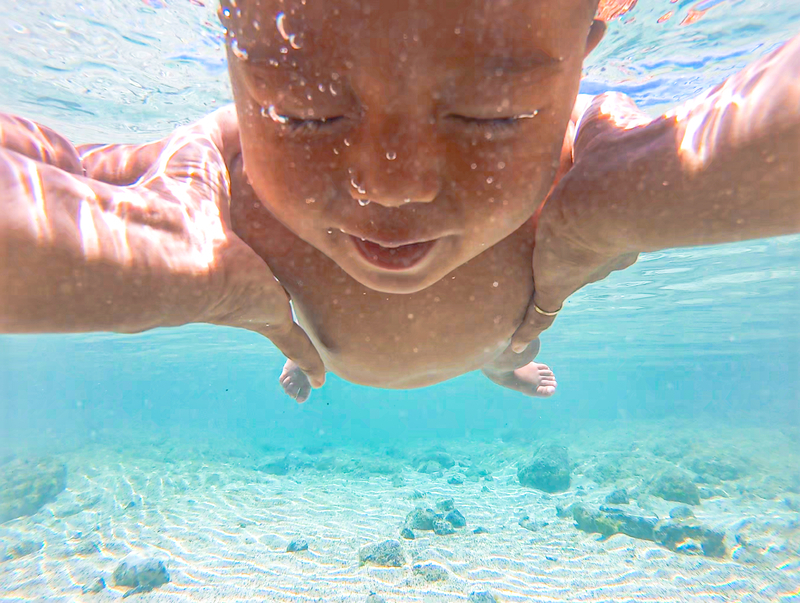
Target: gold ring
(543, 312)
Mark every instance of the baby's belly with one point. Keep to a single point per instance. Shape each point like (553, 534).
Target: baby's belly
(403, 341)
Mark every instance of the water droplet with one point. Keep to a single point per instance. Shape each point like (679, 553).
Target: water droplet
(473, 166)
(274, 115)
(346, 142)
(489, 180)
(501, 165)
(333, 90)
(284, 50)
(457, 31)
(363, 202)
(495, 284)
(238, 52)
(330, 231)
(391, 155)
(533, 113)
(280, 23)
(226, 12)
(273, 62)
(310, 200)
(256, 25)
(294, 43)
(335, 151)
(406, 200)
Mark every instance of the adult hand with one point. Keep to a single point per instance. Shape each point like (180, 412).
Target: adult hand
(566, 256)
(190, 170)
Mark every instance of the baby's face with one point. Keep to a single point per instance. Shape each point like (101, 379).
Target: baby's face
(403, 137)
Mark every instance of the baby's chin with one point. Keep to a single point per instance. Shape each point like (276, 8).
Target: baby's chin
(396, 283)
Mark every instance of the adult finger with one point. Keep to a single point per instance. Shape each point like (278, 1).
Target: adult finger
(534, 323)
(296, 346)
(119, 164)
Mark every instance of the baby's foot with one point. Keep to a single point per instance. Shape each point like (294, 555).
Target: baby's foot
(294, 382)
(533, 379)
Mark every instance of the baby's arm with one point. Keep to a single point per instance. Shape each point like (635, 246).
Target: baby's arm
(721, 168)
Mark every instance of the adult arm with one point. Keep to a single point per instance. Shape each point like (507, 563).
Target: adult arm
(78, 254)
(721, 168)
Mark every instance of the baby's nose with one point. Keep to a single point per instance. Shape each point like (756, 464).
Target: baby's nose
(396, 170)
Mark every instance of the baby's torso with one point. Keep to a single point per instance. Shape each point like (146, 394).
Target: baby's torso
(397, 341)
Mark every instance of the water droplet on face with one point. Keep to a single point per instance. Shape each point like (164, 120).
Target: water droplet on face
(310, 200)
(256, 25)
(284, 50)
(473, 166)
(391, 155)
(533, 113)
(294, 43)
(501, 165)
(238, 52)
(273, 62)
(489, 180)
(406, 200)
(346, 142)
(280, 23)
(330, 231)
(226, 12)
(457, 31)
(363, 202)
(274, 115)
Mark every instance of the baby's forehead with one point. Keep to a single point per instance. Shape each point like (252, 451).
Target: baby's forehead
(359, 26)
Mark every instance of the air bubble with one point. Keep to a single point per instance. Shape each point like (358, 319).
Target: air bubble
(238, 52)
(274, 115)
(280, 23)
(391, 155)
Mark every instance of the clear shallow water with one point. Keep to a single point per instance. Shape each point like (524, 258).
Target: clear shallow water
(689, 334)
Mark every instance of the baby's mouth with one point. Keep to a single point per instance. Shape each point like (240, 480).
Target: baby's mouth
(401, 257)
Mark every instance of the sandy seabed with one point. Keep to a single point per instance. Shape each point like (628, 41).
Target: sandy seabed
(222, 526)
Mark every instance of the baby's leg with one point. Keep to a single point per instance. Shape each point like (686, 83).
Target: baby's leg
(294, 382)
(520, 373)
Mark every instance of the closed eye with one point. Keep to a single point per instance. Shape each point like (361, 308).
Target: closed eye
(496, 123)
(299, 124)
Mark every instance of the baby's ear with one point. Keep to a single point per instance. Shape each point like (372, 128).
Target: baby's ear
(596, 32)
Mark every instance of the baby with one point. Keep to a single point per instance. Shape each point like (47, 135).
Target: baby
(394, 161)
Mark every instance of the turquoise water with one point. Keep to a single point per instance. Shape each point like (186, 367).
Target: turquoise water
(699, 347)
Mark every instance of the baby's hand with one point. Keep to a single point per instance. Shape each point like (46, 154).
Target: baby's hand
(190, 169)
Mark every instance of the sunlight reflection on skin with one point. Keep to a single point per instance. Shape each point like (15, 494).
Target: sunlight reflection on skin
(736, 107)
(173, 193)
